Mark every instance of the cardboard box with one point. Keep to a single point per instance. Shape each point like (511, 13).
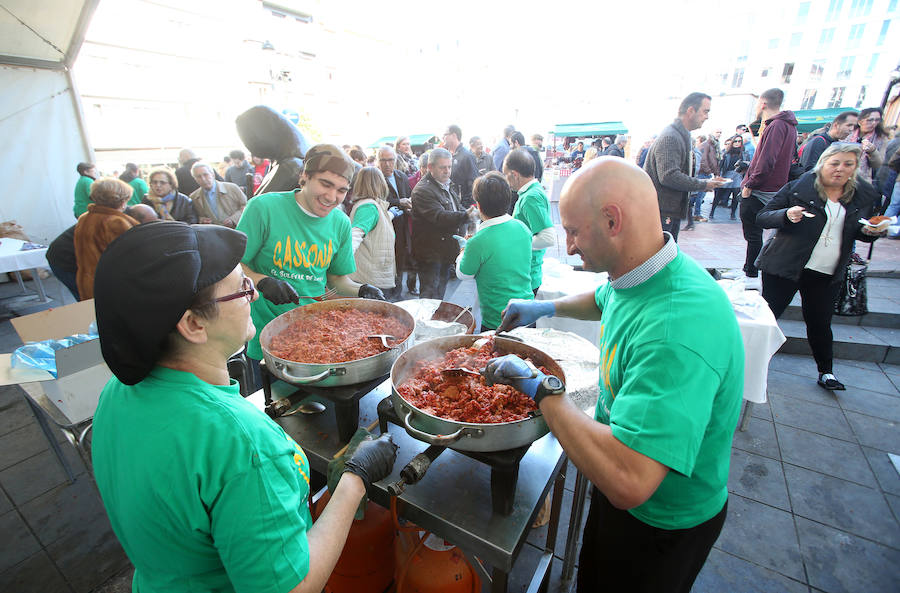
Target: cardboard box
(81, 372)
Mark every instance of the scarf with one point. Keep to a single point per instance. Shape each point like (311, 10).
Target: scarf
(161, 204)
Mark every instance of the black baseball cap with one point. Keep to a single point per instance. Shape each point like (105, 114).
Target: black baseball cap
(145, 281)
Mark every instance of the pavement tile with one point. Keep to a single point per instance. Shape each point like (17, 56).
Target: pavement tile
(759, 438)
(763, 411)
(5, 504)
(870, 403)
(796, 364)
(799, 413)
(763, 535)
(14, 414)
(63, 509)
(875, 432)
(17, 543)
(842, 505)
(884, 470)
(839, 562)
(838, 458)
(804, 388)
(871, 379)
(724, 572)
(21, 444)
(894, 502)
(32, 477)
(88, 555)
(35, 573)
(759, 478)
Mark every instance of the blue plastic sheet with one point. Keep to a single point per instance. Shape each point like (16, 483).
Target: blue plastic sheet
(42, 355)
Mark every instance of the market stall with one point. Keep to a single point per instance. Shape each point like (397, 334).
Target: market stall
(561, 139)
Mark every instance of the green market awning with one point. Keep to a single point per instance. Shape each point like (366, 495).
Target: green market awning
(603, 128)
(813, 119)
(414, 140)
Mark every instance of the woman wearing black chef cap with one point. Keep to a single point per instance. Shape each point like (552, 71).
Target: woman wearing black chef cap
(203, 490)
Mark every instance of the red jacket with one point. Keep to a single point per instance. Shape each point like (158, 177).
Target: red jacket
(772, 160)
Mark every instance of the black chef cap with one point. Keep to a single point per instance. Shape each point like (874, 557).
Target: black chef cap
(145, 281)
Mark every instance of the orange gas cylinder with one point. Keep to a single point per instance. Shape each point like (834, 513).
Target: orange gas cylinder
(367, 563)
(429, 565)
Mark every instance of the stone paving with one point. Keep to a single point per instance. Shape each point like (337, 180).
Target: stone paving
(814, 498)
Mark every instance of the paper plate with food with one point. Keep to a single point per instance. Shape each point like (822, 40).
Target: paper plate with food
(879, 223)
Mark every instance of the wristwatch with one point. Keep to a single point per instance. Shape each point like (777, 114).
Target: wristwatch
(549, 385)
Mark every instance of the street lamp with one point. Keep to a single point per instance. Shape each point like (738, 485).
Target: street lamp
(894, 79)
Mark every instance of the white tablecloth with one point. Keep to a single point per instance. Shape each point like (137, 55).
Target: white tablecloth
(12, 259)
(759, 330)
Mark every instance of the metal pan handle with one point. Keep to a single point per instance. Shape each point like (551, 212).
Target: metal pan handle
(311, 378)
(432, 439)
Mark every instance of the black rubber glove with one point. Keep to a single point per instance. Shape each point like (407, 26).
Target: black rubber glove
(373, 459)
(277, 292)
(367, 291)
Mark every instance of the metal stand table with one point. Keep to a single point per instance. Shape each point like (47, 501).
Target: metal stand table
(453, 500)
(13, 259)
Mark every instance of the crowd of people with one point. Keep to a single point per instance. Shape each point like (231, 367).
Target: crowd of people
(657, 450)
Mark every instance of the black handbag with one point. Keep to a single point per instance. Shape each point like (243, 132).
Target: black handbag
(851, 297)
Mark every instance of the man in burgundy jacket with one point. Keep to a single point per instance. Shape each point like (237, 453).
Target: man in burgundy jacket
(768, 170)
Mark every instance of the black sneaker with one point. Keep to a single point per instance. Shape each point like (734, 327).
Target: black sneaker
(827, 381)
(855, 258)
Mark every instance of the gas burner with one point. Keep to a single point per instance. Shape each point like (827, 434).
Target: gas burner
(504, 464)
(344, 397)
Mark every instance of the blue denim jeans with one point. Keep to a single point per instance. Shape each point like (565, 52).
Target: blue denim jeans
(697, 197)
(894, 208)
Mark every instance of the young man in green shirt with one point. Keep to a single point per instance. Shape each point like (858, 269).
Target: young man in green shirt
(658, 448)
(203, 490)
(498, 256)
(298, 241)
(532, 207)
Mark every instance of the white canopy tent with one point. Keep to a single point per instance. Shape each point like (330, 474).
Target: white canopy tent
(41, 120)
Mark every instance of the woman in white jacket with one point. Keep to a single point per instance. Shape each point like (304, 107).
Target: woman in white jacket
(373, 233)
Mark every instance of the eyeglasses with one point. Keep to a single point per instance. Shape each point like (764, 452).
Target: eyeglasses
(247, 290)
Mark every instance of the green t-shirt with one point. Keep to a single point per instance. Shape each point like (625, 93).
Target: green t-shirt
(533, 209)
(203, 490)
(499, 257)
(365, 217)
(140, 190)
(671, 384)
(82, 195)
(286, 243)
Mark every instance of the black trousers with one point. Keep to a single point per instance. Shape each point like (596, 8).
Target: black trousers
(817, 294)
(621, 553)
(722, 194)
(753, 233)
(672, 225)
(433, 277)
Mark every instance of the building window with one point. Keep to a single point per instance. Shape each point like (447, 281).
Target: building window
(796, 38)
(834, 9)
(724, 78)
(738, 79)
(861, 97)
(837, 96)
(773, 43)
(846, 67)
(816, 70)
(860, 8)
(787, 72)
(802, 12)
(856, 35)
(825, 39)
(765, 72)
(809, 99)
(884, 29)
(892, 6)
(872, 64)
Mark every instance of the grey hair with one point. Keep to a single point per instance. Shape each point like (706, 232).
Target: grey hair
(440, 153)
(621, 139)
(423, 160)
(390, 149)
(837, 148)
(201, 165)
